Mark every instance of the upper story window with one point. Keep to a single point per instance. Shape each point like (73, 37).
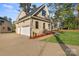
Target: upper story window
(43, 12)
(36, 24)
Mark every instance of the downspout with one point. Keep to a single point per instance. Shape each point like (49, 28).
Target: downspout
(31, 25)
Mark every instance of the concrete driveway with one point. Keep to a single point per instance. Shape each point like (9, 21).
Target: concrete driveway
(12, 44)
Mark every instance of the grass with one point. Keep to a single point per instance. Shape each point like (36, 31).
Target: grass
(71, 38)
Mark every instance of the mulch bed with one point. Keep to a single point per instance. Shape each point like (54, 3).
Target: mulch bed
(41, 35)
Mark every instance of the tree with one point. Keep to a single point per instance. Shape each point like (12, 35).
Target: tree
(5, 17)
(77, 18)
(34, 6)
(67, 13)
(25, 7)
(78, 9)
(56, 9)
(13, 26)
(64, 13)
(9, 19)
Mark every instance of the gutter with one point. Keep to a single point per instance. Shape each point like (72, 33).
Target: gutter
(22, 19)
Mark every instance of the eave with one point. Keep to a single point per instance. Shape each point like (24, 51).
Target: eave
(23, 19)
(41, 19)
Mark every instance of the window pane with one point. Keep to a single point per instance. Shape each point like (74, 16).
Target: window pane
(43, 25)
(36, 24)
(43, 12)
(49, 26)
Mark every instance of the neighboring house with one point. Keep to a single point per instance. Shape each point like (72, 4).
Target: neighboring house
(35, 23)
(5, 25)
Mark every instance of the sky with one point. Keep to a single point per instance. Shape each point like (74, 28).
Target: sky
(11, 10)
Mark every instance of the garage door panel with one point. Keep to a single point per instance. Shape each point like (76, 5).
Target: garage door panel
(25, 31)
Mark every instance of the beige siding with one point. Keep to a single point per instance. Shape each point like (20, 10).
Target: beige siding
(21, 14)
(23, 24)
(47, 13)
(5, 25)
(31, 22)
(40, 29)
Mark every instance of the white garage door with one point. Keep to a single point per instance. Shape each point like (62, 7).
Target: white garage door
(25, 31)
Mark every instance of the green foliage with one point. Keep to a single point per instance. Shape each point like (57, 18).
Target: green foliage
(65, 12)
(6, 18)
(13, 26)
(23, 6)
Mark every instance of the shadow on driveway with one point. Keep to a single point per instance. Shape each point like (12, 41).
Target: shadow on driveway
(65, 48)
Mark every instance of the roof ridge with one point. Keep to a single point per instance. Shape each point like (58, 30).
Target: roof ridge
(33, 12)
(39, 9)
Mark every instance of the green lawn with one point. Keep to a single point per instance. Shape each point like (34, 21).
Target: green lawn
(71, 38)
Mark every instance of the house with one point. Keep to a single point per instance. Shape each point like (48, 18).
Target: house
(34, 23)
(5, 25)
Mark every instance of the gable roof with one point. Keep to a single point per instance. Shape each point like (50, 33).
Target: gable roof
(3, 19)
(38, 9)
(20, 15)
(33, 12)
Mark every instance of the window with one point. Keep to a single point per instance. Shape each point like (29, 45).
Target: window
(52, 26)
(43, 25)
(43, 12)
(2, 21)
(49, 26)
(9, 29)
(3, 28)
(36, 24)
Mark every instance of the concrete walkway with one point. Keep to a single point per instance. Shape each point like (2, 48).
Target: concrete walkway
(12, 44)
(69, 50)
